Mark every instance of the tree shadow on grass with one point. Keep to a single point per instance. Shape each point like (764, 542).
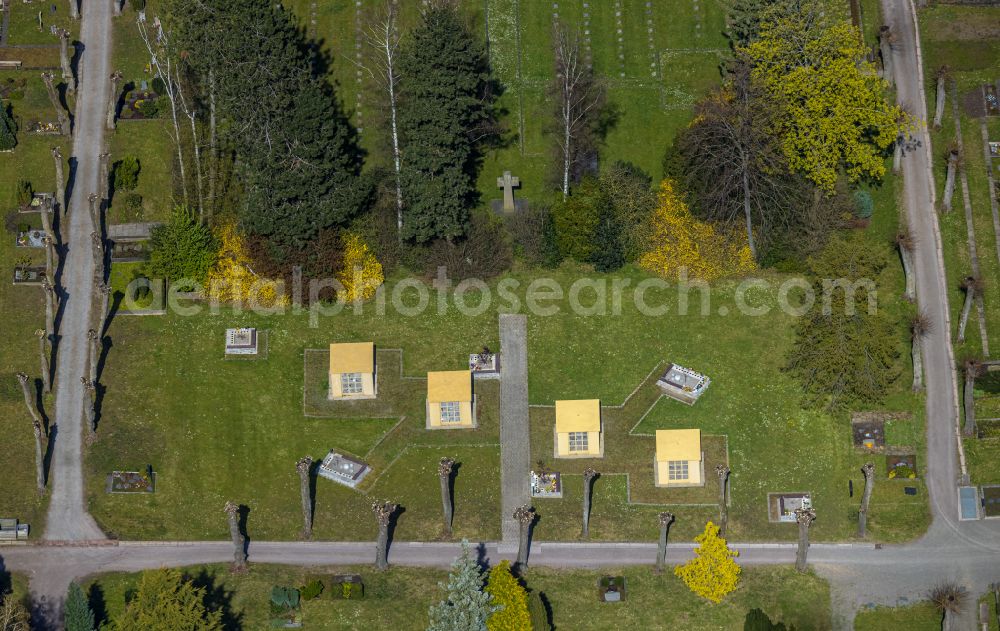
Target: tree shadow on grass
(95, 600)
(218, 598)
(393, 522)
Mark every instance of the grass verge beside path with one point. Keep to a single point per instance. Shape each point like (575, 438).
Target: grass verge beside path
(399, 598)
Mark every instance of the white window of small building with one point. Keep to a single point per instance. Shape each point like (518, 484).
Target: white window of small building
(677, 470)
(578, 441)
(451, 412)
(351, 383)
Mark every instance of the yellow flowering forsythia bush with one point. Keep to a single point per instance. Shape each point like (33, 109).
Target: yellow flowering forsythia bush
(712, 573)
(361, 274)
(511, 597)
(678, 240)
(232, 279)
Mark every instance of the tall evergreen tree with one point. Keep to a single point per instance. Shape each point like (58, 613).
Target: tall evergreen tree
(467, 606)
(445, 113)
(78, 616)
(8, 129)
(299, 154)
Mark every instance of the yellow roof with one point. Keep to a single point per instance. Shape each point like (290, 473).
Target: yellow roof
(678, 444)
(449, 385)
(352, 357)
(582, 415)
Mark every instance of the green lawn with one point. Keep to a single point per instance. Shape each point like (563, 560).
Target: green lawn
(918, 617)
(22, 311)
(400, 597)
(968, 41)
(233, 430)
(26, 17)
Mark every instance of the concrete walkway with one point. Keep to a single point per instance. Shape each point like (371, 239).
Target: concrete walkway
(68, 518)
(515, 445)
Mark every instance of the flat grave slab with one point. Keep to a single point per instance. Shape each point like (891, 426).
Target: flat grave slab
(781, 507)
(343, 469)
(546, 484)
(683, 384)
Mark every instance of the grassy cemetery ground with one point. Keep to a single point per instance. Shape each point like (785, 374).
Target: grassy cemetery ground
(967, 40)
(400, 597)
(22, 308)
(147, 139)
(918, 617)
(653, 89)
(215, 429)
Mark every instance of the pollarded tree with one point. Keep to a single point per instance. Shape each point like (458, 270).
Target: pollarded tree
(834, 114)
(973, 287)
(304, 468)
(665, 519)
(589, 474)
(77, 613)
(383, 511)
(8, 128)
(869, 472)
(712, 573)
(445, 468)
(906, 243)
(510, 600)
(949, 600)
(446, 112)
(232, 511)
(920, 327)
(804, 517)
(466, 607)
(972, 369)
(164, 601)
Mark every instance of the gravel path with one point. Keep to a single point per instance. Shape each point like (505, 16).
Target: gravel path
(68, 518)
(515, 447)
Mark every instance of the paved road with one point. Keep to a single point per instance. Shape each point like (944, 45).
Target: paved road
(515, 446)
(68, 518)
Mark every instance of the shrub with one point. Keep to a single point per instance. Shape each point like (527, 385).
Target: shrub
(712, 573)
(126, 174)
(902, 471)
(8, 129)
(232, 278)
(140, 5)
(575, 219)
(312, 589)
(484, 252)
(678, 241)
(510, 600)
(534, 236)
(361, 274)
(538, 613)
(183, 248)
(158, 85)
(284, 598)
(150, 108)
(24, 192)
(863, 204)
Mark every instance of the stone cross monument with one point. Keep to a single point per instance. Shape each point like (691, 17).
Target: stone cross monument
(507, 183)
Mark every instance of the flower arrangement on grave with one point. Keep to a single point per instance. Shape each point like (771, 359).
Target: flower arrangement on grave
(902, 471)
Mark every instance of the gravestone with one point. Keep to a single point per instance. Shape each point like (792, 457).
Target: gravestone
(507, 182)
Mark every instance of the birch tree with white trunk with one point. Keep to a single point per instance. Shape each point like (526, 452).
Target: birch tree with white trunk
(579, 97)
(381, 35)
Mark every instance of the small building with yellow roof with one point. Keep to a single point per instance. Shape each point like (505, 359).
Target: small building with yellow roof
(352, 371)
(679, 460)
(578, 429)
(451, 403)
